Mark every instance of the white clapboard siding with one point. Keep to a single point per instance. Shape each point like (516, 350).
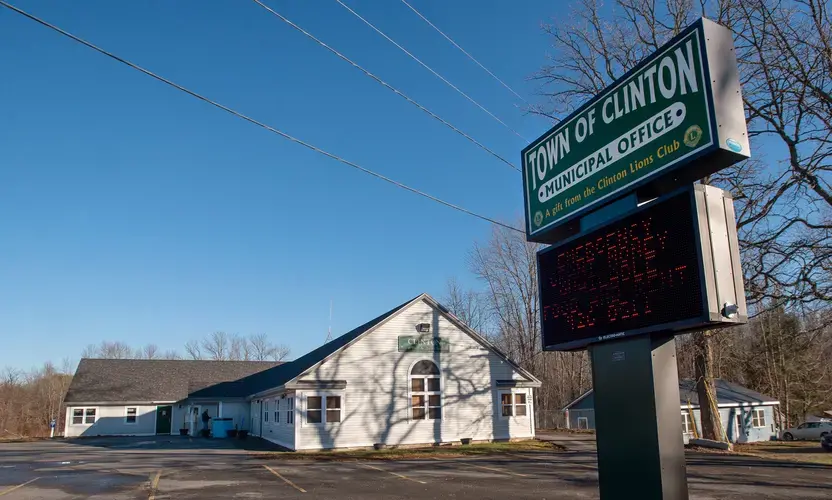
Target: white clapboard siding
(376, 404)
(280, 431)
(111, 420)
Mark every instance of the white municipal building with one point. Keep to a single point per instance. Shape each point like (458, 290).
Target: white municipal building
(414, 375)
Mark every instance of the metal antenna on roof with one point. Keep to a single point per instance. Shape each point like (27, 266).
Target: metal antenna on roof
(329, 331)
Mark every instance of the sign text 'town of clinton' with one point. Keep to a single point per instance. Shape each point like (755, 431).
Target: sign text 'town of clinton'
(674, 118)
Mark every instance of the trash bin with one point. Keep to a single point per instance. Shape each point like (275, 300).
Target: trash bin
(220, 427)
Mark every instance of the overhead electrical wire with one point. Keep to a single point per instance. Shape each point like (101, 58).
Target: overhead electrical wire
(252, 120)
(504, 84)
(463, 94)
(383, 83)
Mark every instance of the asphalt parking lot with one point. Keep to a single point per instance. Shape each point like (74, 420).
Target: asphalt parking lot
(179, 468)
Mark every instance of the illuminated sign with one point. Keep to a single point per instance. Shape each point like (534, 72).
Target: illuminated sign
(640, 273)
(661, 116)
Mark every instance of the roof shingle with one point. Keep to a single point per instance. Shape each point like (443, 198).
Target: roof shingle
(135, 380)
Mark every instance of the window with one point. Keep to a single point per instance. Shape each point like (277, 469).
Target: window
(265, 411)
(520, 405)
(277, 411)
(333, 408)
(802, 426)
(77, 416)
(290, 413)
(583, 423)
(131, 416)
(740, 423)
(687, 423)
(313, 410)
(505, 403)
(513, 404)
(89, 416)
(425, 391)
(758, 417)
(322, 409)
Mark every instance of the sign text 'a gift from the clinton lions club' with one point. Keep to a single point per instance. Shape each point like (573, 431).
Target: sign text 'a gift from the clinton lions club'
(651, 122)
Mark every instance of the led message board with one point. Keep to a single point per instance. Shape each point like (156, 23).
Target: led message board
(644, 272)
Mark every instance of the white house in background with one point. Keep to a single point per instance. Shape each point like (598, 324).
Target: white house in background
(747, 416)
(414, 375)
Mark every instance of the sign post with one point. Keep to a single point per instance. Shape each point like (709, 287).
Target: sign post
(638, 253)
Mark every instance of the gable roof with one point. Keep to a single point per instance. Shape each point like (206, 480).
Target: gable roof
(138, 380)
(284, 374)
(151, 380)
(727, 394)
(279, 375)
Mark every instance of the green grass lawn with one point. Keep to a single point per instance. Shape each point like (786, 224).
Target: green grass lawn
(796, 451)
(482, 449)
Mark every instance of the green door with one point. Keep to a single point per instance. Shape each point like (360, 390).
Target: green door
(163, 419)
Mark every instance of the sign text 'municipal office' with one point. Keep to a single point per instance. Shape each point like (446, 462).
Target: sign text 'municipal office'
(652, 119)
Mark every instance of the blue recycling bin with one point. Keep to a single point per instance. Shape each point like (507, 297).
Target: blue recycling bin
(221, 426)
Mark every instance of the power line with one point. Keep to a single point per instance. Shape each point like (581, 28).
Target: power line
(385, 84)
(252, 120)
(504, 84)
(463, 94)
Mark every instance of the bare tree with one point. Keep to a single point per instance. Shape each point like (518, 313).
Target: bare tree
(469, 306)
(262, 349)
(171, 354)
(280, 352)
(216, 346)
(193, 349)
(150, 351)
(783, 207)
(90, 351)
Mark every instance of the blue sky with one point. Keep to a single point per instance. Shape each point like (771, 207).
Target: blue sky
(131, 211)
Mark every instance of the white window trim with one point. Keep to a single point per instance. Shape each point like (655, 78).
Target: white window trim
(514, 404)
(585, 419)
(290, 410)
(692, 423)
(276, 411)
(126, 415)
(323, 395)
(84, 415)
(426, 392)
(760, 414)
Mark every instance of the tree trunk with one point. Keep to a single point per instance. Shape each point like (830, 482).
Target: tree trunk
(708, 411)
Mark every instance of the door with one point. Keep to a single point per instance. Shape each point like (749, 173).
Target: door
(255, 418)
(739, 429)
(801, 432)
(163, 419)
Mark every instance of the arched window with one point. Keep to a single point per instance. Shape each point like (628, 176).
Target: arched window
(425, 391)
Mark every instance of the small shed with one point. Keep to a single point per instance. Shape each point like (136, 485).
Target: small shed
(746, 415)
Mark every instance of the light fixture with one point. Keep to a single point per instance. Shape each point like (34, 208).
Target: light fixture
(423, 327)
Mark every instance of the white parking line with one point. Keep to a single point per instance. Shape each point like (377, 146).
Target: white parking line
(400, 476)
(290, 483)
(492, 469)
(13, 488)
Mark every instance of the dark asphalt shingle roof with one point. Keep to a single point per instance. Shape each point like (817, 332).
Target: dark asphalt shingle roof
(106, 380)
(727, 393)
(279, 375)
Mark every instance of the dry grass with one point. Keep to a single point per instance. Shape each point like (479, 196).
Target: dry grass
(481, 449)
(795, 451)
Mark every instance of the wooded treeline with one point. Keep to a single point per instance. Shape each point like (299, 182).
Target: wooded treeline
(29, 400)
(782, 197)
